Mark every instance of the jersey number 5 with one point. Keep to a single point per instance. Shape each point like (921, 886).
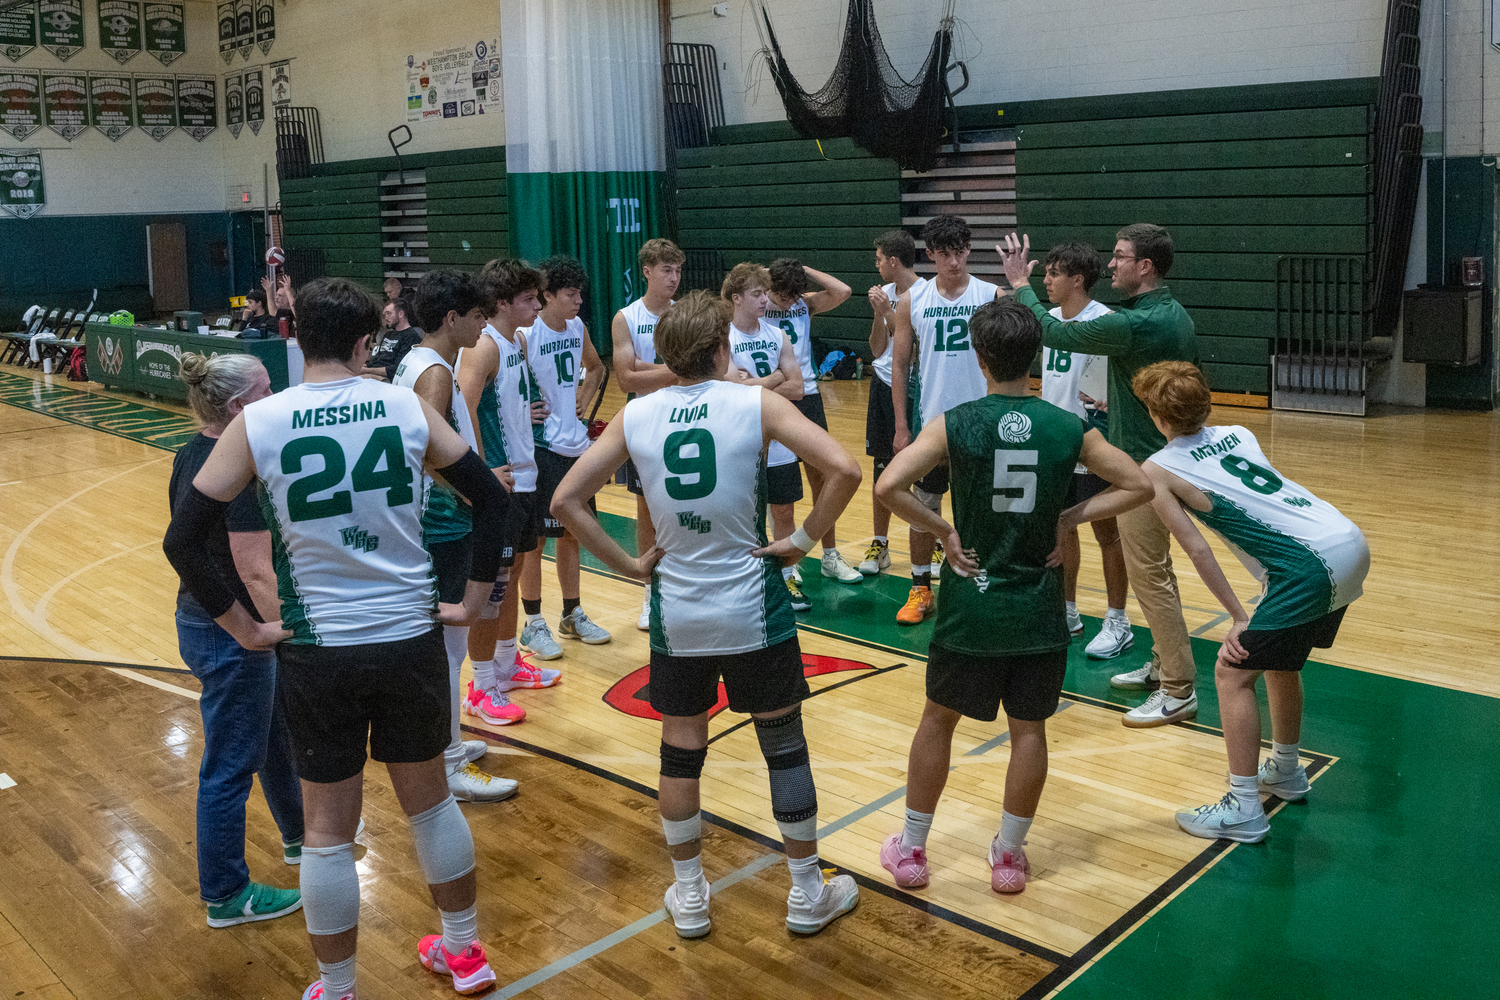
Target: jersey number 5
(395, 478)
(1015, 487)
(703, 464)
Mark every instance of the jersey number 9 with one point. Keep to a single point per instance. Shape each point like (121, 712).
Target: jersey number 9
(703, 464)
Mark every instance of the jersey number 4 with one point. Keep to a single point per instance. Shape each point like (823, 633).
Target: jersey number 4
(395, 478)
(702, 463)
(1015, 486)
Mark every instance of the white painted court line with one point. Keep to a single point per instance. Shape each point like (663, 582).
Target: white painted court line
(6, 781)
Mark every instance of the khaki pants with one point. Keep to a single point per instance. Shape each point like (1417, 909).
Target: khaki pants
(1148, 563)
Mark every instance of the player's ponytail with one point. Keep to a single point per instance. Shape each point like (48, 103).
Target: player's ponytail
(214, 382)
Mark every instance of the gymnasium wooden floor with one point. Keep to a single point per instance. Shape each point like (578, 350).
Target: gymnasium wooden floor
(99, 733)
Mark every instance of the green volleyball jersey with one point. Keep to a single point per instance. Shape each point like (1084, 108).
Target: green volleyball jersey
(445, 516)
(1011, 460)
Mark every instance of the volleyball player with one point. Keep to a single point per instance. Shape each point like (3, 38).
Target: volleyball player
(717, 608)
(452, 311)
(1148, 326)
(895, 260)
(496, 381)
(933, 319)
(340, 459)
(637, 369)
(791, 306)
(1001, 636)
(560, 352)
(1311, 559)
(761, 354)
(1072, 271)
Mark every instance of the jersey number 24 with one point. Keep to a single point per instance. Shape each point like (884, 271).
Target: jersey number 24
(395, 478)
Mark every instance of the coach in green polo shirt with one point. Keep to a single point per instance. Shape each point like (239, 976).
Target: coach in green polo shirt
(1147, 327)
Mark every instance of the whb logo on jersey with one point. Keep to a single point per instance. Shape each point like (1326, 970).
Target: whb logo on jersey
(1015, 428)
(692, 522)
(359, 540)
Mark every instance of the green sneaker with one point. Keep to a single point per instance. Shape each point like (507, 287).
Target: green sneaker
(254, 902)
(291, 850)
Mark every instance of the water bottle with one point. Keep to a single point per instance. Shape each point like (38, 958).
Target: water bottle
(859, 370)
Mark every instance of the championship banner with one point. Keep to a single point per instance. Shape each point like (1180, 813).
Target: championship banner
(20, 101)
(265, 25)
(18, 31)
(111, 104)
(281, 85)
(244, 27)
(453, 83)
(156, 105)
(234, 103)
(22, 193)
(226, 30)
(166, 38)
(255, 98)
(65, 103)
(198, 105)
(120, 29)
(62, 27)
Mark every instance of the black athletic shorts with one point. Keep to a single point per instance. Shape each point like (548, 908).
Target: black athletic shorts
(763, 680)
(633, 478)
(392, 695)
(523, 524)
(1084, 486)
(1027, 684)
(880, 422)
(935, 482)
(811, 407)
(784, 483)
(450, 564)
(550, 469)
(1288, 648)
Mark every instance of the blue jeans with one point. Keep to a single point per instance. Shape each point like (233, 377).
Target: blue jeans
(244, 734)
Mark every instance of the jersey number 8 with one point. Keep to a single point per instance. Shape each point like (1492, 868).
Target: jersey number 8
(395, 478)
(704, 464)
(1015, 487)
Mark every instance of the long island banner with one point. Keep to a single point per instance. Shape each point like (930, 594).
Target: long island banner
(265, 25)
(65, 103)
(20, 101)
(120, 29)
(198, 105)
(234, 102)
(62, 27)
(255, 98)
(18, 31)
(22, 192)
(454, 82)
(165, 37)
(156, 105)
(111, 104)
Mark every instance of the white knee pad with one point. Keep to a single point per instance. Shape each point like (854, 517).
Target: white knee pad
(445, 847)
(330, 889)
(932, 501)
(683, 831)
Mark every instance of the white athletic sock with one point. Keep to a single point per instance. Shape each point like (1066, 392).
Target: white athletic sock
(338, 978)
(1072, 607)
(535, 619)
(460, 929)
(807, 876)
(456, 642)
(1285, 756)
(1118, 614)
(505, 659)
(786, 572)
(484, 674)
(918, 826)
(689, 874)
(882, 540)
(1013, 831)
(1245, 795)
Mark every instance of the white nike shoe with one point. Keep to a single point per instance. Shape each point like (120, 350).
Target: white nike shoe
(834, 567)
(1292, 786)
(475, 749)
(808, 916)
(1161, 709)
(470, 784)
(1142, 679)
(1113, 639)
(1222, 820)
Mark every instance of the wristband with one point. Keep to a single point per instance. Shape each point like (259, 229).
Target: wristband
(801, 539)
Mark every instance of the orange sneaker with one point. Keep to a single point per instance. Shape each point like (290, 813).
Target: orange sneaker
(919, 604)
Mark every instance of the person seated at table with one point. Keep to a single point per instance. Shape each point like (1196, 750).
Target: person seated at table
(255, 322)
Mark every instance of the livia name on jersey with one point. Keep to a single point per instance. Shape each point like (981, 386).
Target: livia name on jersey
(688, 414)
(327, 416)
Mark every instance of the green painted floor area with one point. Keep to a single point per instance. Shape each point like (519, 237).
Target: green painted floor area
(110, 414)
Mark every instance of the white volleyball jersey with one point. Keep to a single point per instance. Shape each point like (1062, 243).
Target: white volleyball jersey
(882, 364)
(1063, 372)
(557, 365)
(505, 426)
(642, 325)
(759, 354)
(341, 466)
(445, 517)
(950, 368)
(698, 450)
(1310, 558)
(796, 323)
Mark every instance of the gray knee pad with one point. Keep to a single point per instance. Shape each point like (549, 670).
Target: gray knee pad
(445, 847)
(677, 762)
(794, 798)
(491, 609)
(932, 501)
(330, 889)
